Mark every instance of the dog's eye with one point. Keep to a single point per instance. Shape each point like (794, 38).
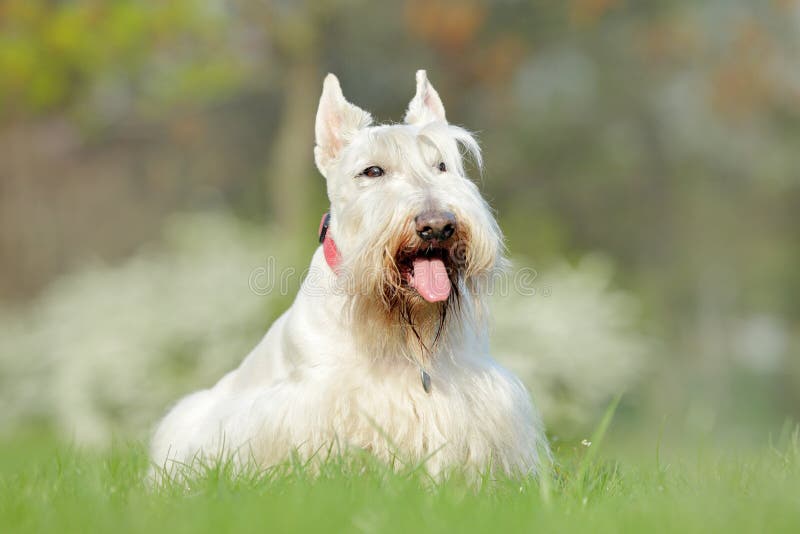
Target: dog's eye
(373, 172)
(442, 167)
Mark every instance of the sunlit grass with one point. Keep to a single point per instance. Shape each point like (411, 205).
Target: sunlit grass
(48, 487)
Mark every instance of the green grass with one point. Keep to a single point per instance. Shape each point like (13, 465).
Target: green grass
(45, 487)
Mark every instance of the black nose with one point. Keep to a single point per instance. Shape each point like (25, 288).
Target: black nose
(435, 225)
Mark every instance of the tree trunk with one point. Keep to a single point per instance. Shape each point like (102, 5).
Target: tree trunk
(290, 168)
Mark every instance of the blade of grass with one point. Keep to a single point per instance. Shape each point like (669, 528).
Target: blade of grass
(546, 480)
(597, 438)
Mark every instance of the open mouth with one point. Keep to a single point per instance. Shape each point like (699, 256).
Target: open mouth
(426, 272)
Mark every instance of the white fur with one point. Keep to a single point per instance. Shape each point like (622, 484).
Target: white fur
(338, 369)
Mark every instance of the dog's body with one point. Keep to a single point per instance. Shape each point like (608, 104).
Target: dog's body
(385, 348)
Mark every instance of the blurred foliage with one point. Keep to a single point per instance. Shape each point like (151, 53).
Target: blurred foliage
(56, 55)
(104, 350)
(108, 348)
(575, 341)
(662, 134)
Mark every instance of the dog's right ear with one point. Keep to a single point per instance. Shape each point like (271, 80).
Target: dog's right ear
(337, 121)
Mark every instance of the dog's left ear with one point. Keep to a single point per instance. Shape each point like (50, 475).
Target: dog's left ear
(337, 121)
(426, 106)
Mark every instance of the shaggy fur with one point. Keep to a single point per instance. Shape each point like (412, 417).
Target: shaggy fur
(342, 367)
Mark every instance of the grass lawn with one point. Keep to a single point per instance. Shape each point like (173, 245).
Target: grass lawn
(47, 487)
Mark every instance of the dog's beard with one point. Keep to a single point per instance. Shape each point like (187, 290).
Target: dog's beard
(423, 321)
(389, 314)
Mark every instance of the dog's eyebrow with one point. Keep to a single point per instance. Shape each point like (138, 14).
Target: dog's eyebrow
(427, 141)
(386, 142)
(453, 143)
(444, 146)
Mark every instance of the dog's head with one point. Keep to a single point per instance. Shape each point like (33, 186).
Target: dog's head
(412, 229)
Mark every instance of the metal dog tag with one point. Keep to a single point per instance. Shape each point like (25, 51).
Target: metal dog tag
(426, 380)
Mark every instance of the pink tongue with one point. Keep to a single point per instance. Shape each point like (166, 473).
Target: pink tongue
(430, 279)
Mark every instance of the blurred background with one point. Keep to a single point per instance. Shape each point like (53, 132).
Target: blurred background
(642, 158)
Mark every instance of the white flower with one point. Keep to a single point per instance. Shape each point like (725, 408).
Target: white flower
(107, 348)
(574, 347)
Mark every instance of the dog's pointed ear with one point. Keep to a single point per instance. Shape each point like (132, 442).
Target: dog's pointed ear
(337, 121)
(426, 106)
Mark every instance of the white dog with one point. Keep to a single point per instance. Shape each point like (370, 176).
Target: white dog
(385, 348)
